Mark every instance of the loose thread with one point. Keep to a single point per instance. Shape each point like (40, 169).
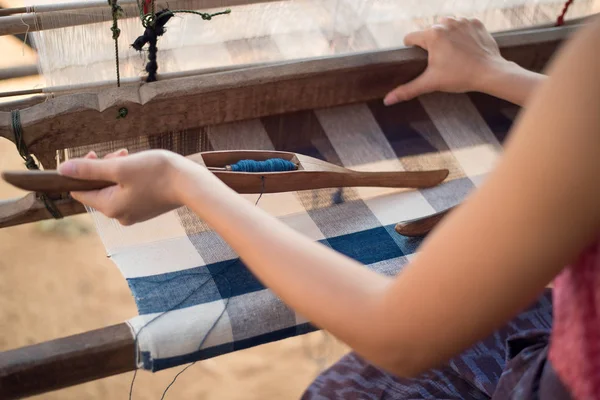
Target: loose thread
(176, 306)
(30, 163)
(212, 277)
(561, 18)
(117, 12)
(262, 190)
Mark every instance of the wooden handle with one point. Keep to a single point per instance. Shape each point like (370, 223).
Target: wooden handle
(421, 226)
(50, 182)
(405, 179)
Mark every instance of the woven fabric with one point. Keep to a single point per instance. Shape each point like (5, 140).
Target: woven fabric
(178, 264)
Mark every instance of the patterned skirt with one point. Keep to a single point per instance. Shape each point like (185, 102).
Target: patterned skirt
(510, 364)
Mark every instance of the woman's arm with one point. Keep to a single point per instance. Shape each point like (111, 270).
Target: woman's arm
(487, 261)
(464, 57)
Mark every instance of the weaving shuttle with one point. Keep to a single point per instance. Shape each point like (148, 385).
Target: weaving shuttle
(311, 173)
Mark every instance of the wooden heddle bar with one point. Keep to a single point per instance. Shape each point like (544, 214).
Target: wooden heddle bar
(86, 119)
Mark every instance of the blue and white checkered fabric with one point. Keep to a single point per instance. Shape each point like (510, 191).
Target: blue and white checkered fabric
(175, 262)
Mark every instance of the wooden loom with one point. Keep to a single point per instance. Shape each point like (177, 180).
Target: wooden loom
(219, 97)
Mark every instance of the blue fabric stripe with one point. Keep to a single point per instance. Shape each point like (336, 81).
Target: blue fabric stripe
(160, 293)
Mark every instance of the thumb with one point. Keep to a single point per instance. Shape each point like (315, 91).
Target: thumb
(418, 86)
(91, 169)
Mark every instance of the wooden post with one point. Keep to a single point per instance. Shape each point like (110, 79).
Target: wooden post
(66, 362)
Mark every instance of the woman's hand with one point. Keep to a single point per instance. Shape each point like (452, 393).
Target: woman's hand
(464, 57)
(147, 183)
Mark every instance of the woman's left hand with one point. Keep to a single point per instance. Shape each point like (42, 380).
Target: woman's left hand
(146, 183)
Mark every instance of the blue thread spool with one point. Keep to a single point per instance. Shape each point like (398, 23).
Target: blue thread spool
(270, 165)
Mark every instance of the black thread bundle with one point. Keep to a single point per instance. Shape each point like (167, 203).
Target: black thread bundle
(150, 36)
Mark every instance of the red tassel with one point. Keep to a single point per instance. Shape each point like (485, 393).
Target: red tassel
(147, 6)
(561, 18)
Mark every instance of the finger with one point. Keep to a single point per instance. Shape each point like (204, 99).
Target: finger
(91, 155)
(118, 153)
(448, 21)
(89, 169)
(476, 22)
(416, 38)
(421, 85)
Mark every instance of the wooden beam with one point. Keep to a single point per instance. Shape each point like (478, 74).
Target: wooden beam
(16, 22)
(87, 87)
(192, 102)
(22, 103)
(66, 362)
(30, 208)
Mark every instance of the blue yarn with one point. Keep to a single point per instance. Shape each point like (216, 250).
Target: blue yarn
(270, 165)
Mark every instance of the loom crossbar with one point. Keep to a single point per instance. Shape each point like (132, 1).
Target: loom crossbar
(65, 362)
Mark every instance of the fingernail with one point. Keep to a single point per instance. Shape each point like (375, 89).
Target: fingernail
(67, 168)
(389, 99)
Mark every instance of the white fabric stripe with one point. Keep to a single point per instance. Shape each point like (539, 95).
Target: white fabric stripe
(193, 323)
(398, 207)
(303, 223)
(116, 237)
(465, 131)
(170, 255)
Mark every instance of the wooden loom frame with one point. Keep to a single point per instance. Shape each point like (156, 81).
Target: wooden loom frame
(220, 98)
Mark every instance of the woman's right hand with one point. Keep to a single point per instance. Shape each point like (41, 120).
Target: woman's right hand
(462, 55)
(147, 184)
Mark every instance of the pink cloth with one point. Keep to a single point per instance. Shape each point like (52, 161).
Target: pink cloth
(575, 346)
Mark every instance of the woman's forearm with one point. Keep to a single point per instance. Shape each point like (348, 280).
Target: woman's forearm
(511, 82)
(333, 291)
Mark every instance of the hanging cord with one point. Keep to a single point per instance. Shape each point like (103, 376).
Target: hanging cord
(154, 25)
(561, 18)
(29, 160)
(117, 12)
